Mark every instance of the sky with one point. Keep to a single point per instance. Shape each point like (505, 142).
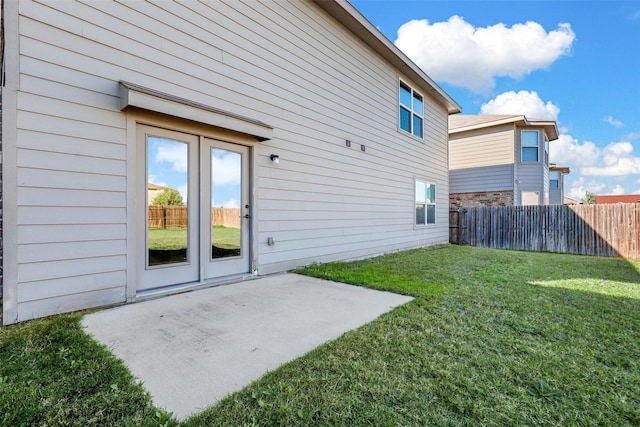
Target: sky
(168, 166)
(575, 62)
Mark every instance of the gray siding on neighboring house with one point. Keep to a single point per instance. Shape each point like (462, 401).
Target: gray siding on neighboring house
(531, 176)
(555, 196)
(324, 201)
(487, 178)
(481, 160)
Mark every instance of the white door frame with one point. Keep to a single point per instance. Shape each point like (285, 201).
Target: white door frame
(136, 283)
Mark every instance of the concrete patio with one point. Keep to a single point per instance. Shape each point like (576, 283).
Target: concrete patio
(191, 350)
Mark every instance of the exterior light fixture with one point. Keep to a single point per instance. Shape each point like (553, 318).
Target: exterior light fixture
(275, 159)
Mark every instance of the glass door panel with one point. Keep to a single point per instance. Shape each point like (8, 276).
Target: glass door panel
(226, 196)
(167, 198)
(168, 208)
(227, 208)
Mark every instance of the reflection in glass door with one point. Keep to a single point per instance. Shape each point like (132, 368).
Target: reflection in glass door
(226, 196)
(228, 210)
(168, 208)
(168, 198)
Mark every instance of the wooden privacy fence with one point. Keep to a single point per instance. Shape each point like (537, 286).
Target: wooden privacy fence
(602, 230)
(176, 217)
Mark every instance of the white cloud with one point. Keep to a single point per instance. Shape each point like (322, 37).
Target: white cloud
(617, 160)
(618, 190)
(566, 150)
(231, 203)
(613, 122)
(184, 192)
(171, 152)
(226, 168)
(633, 135)
(523, 102)
(580, 187)
(155, 180)
(463, 55)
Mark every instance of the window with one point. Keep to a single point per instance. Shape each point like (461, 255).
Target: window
(530, 143)
(554, 179)
(425, 203)
(411, 110)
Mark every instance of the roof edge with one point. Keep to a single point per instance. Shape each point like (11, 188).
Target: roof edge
(345, 13)
(549, 125)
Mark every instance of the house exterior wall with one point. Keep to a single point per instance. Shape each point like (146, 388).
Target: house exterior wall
(1, 252)
(482, 160)
(531, 176)
(70, 181)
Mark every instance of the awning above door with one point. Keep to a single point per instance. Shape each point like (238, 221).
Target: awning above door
(132, 95)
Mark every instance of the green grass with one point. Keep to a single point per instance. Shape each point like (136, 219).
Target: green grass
(492, 338)
(53, 374)
(176, 238)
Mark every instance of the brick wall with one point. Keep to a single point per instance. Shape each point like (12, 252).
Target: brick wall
(484, 198)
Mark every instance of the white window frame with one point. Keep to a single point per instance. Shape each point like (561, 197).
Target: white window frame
(522, 146)
(422, 190)
(412, 110)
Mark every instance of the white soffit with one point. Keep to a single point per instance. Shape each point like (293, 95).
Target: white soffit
(132, 95)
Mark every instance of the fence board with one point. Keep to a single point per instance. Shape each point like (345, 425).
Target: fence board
(602, 230)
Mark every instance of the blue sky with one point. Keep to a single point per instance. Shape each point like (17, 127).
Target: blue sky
(168, 165)
(577, 62)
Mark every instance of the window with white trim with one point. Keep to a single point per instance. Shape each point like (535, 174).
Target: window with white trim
(425, 203)
(411, 110)
(530, 143)
(554, 179)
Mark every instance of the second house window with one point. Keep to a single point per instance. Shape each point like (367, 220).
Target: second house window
(411, 110)
(530, 143)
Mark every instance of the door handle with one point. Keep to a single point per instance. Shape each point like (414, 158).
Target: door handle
(245, 216)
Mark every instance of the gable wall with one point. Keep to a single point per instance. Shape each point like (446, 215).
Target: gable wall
(303, 74)
(482, 160)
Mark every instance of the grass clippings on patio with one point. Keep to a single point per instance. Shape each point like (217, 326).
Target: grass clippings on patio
(493, 338)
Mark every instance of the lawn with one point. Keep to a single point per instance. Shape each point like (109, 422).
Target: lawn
(176, 238)
(169, 245)
(492, 338)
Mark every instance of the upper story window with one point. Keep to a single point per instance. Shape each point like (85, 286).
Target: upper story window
(425, 203)
(554, 179)
(411, 110)
(530, 144)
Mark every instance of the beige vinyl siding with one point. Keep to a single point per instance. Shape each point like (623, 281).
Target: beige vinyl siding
(304, 74)
(482, 160)
(482, 147)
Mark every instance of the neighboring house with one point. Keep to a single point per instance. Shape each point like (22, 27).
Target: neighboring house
(570, 201)
(153, 191)
(622, 198)
(301, 114)
(499, 160)
(556, 184)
